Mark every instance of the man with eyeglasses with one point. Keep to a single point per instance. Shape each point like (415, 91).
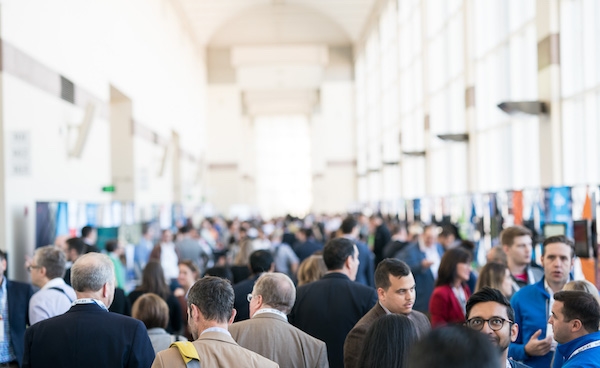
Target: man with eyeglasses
(14, 317)
(490, 312)
(55, 296)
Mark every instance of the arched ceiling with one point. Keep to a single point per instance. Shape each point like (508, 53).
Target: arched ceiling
(348, 17)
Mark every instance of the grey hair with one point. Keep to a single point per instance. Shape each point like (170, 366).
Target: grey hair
(277, 291)
(91, 271)
(52, 259)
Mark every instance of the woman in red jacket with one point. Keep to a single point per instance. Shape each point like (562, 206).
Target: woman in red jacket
(449, 298)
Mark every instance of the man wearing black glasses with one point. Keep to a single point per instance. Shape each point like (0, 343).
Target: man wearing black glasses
(490, 312)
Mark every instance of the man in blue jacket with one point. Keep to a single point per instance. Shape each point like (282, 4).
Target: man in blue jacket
(14, 299)
(535, 345)
(575, 319)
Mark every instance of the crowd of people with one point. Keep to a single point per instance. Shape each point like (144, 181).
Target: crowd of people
(314, 292)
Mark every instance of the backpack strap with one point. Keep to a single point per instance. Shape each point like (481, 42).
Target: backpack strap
(62, 291)
(188, 352)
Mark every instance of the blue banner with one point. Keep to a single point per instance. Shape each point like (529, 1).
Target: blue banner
(559, 205)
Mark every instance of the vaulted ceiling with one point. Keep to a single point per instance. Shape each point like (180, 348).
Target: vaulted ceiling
(333, 20)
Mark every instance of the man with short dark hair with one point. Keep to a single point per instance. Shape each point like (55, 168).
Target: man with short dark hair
(396, 293)
(516, 243)
(268, 332)
(575, 319)
(328, 308)
(261, 261)
(88, 335)
(89, 235)
(490, 312)
(364, 275)
(14, 296)
(534, 345)
(75, 248)
(210, 311)
(55, 296)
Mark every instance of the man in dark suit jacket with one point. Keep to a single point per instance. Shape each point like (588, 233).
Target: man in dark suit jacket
(260, 261)
(366, 268)
(269, 333)
(88, 335)
(328, 308)
(15, 295)
(396, 292)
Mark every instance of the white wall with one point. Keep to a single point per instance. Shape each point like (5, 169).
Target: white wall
(142, 49)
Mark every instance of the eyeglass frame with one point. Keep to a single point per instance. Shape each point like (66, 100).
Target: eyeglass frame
(249, 297)
(33, 267)
(488, 323)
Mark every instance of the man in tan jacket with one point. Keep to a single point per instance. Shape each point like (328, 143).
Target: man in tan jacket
(268, 331)
(210, 311)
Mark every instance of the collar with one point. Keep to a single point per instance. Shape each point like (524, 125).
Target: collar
(53, 283)
(90, 301)
(387, 311)
(216, 329)
(272, 311)
(157, 331)
(567, 349)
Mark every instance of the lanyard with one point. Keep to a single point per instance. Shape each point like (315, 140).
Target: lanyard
(271, 310)
(90, 301)
(585, 347)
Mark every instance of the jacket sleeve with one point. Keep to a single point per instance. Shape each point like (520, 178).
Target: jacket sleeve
(516, 350)
(353, 345)
(142, 352)
(438, 308)
(26, 363)
(412, 256)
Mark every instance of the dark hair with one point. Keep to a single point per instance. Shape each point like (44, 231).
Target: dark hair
(454, 347)
(153, 280)
(152, 310)
(387, 342)
(348, 225)
(2, 255)
(492, 275)
(559, 239)
(86, 231)
(261, 261)
(77, 244)
(446, 231)
(220, 271)
(185, 229)
(488, 294)
(111, 245)
(189, 264)
(387, 267)
(214, 298)
(507, 236)
(580, 305)
(450, 260)
(336, 251)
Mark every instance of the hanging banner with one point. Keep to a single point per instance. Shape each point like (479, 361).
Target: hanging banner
(517, 206)
(558, 207)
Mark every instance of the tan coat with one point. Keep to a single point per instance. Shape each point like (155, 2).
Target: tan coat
(273, 337)
(216, 350)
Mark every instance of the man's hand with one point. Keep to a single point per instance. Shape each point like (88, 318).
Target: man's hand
(426, 263)
(536, 347)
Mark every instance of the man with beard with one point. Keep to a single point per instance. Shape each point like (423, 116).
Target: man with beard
(489, 312)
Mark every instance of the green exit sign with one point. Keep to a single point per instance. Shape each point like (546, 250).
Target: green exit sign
(109, 189)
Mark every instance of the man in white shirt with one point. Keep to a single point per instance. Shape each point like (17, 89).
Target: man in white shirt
(55, 296)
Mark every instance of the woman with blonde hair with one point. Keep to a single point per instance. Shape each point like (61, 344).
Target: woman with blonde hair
(311, 269)
(583, 285)
(496, 276)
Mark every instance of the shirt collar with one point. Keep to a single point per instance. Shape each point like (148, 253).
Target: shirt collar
(216, 329)
(272, 311)
(54, 282)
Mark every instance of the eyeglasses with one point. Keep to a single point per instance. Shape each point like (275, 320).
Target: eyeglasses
(495, 323)
(30, 267)
(249, 297)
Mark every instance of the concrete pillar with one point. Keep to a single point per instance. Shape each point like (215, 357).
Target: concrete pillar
(121, 146)
(550, 128)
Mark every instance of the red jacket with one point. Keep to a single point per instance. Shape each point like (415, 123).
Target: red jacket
(444, 307)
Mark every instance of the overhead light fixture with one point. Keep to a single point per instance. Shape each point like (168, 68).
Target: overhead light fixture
(414, 153)
(458, 137)
(391, 163)
(524, 107)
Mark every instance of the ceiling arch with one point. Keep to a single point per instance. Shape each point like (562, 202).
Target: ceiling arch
(207, 17)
